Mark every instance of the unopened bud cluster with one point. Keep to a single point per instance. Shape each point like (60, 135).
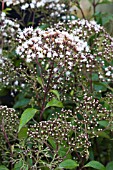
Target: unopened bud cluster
(8, 129)
(72, 128)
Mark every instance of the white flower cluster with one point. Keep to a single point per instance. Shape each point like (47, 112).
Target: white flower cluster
(13, 2)
(8, 29)
(57, 7)
(33, 3)
(69, 48)
(89, 25)
(34, 46)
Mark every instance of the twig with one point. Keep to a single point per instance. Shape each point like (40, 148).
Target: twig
(7, 140)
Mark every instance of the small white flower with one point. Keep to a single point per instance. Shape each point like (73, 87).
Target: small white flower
(16, 83)
(25, 6)
(49, 55)
(68, 73)
(28, 60)
(55, 69)
(22, 85)
(0, 51)
(32, 5)
(108, 73)
(3, 15)
(106, 69)
(100, 76)
(1, 61)
(40, 55)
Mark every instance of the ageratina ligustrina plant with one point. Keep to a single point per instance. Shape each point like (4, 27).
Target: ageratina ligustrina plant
(67, 69)
(62, 73)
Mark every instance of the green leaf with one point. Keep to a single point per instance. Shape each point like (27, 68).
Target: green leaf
(109, 166)
(72, 92)
(27, 115)
(39, 79)
(52, 142)
(21, 103)
(105, 2)
(56, 93)
(103, 134)
(95, 165)
(2, 167)
(68, 164)
(54, 102)
(95, 77)
(18, 165)
(103, 123)
(3, 91)
(23, 133)
(43, 26)
(100, 86)
(62, 151)
(6, 10)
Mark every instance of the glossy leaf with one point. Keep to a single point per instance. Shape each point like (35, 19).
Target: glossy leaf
(95, 165)
(68, 164)
(21, 103)
(27, 115)
(103, 123)
(109, 166)
(56, 93)
(54, 102)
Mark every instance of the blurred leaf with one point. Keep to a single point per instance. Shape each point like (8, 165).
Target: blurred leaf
(44, 26)
(62, 151)
(72, 92)
(56, 93)
(6, 10)
(21, 103)
(95, 77)
(45, 168)
(91, 154)
(52, 142)
(54, 102)
(103, 123)
(30, 161)
(95, 165)
(39, 79)
(27, 115)
(105, 2)
(107, 19)
(2, 167)
(68, 164)
(99, 86)
(3, 91)
(18, 165)
(103, 134)
(109, 166)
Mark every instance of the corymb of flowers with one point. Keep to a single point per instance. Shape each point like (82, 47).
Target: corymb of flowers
(8, 30)
(56, 5)
(74, 50)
